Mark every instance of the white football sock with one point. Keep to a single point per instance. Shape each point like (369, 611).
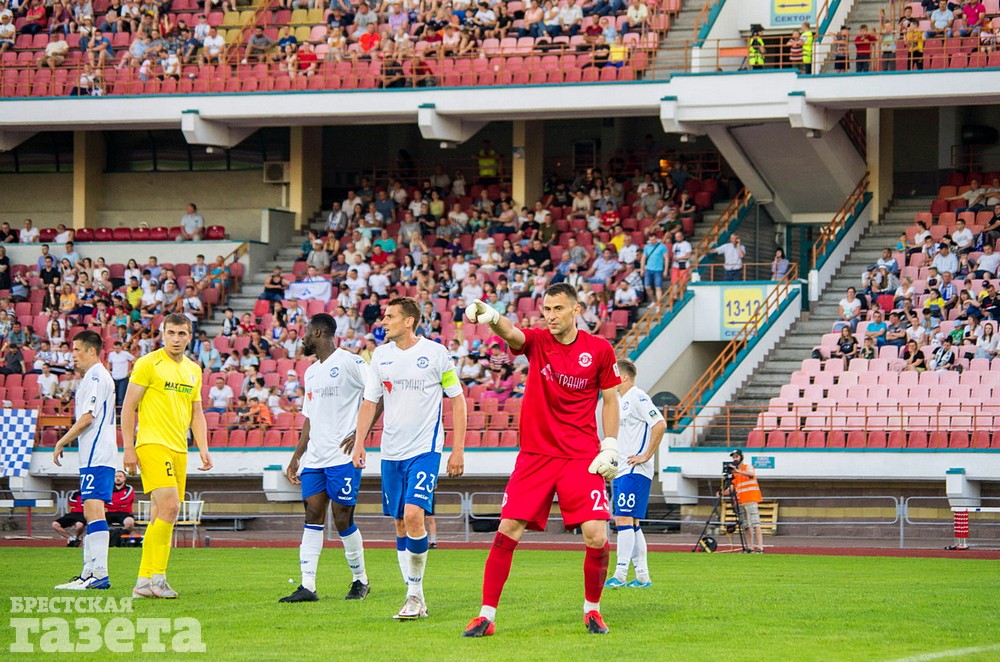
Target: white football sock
(354, 552)
(623, 553)
(417, 550)
(86, 557)
(591, 606)
(98, 553)
(309, 551)
(403, 557)
(489, 613)
(639, 556)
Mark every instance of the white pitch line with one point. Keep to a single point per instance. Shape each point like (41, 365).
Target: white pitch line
(940, 655)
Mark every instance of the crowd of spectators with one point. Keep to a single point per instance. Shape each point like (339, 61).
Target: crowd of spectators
(442, 239)
(150, 38)
(44, 304)
(950, 313)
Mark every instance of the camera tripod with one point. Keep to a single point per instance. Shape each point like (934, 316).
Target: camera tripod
(708, 544)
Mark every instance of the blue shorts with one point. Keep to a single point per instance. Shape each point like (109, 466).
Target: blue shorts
(631, 495)
(341, 483)
(653, 278)
(409, 481)
(97, 483)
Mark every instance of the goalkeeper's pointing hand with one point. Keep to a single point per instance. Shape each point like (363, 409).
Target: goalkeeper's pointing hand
(480, 312)
(606, 462)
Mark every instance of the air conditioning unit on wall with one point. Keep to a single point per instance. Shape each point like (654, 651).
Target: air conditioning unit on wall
(276, 172)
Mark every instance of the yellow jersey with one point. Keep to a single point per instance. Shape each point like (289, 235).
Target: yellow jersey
(165, 409)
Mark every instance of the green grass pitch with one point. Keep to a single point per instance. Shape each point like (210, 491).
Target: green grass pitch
(771, 607)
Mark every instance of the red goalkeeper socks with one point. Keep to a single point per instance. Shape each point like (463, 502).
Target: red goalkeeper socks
(498, 568)
(595, 571)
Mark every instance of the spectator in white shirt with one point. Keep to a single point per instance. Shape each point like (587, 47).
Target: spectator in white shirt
(629, 252)
(212, 47)
(48, 383)
(681, 256)
(291, 383)
(355, 283)
(293, 344)
(988, 265)
(378, 282)
(192, 224)
(29, 234)
(626, 299)
(220, 397)
(460, 269)
(945, 260)
(733, 252)
(342, 322)
(120, 362)
(963, 238)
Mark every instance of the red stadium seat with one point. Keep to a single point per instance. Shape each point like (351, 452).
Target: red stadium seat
(215, 232)
(158, 234)
(509, 439)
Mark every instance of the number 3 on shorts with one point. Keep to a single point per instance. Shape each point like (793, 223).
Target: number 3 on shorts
(600, 500)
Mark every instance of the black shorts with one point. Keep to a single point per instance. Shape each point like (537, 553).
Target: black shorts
(117, 519)
(70, 519)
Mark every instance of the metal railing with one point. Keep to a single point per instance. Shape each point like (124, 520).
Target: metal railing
(819, 425)
(675, 293)
(233, 46)
(829, 233)
(691, 403)
(646, 61)
(856, 131)
(714, 272)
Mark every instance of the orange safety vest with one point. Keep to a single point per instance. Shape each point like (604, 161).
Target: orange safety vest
(747, 489)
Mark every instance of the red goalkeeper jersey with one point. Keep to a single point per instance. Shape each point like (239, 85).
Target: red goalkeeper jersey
(560, 397)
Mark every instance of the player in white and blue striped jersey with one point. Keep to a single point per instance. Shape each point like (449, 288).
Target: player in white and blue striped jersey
(95, 428)
(639, 435)
(334, 387)
(414, 374)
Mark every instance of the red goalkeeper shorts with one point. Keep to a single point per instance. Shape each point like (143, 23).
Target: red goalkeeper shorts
(536, 479)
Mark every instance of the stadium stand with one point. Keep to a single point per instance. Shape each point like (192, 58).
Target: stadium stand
(401, 247)
(261, 49)
(920, 367)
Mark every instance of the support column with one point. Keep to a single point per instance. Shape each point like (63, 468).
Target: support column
(88, 177)
(305, 188)
(881, 157)
(526, 158)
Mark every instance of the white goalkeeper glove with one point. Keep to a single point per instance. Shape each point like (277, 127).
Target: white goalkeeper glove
(481, 313)
(606, 462)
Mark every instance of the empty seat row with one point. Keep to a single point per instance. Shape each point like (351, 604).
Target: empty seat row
(875, 439)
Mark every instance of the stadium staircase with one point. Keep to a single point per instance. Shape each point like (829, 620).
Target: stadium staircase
(798, 343)
(671, 56)
(253, 284)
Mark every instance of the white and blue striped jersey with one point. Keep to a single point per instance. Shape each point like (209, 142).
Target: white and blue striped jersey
(96, 396)
(334, 389)
(413, 384)
(638, 416)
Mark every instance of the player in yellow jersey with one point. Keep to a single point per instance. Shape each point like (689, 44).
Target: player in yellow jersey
(165, 388)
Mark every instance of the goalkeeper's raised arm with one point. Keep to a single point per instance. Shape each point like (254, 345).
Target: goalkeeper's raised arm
(481, 312)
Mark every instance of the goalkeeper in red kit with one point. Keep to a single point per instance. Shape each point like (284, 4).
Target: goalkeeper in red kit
(560, 450)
